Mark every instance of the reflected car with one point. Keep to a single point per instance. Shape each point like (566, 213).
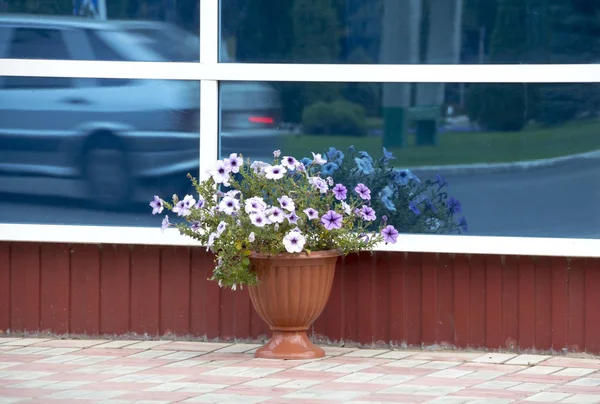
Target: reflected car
(109, 141)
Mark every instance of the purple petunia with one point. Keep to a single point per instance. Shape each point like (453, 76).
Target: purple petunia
(311, 213)
(453, 205)
(367, 213)
(157, 205)
(390, 234)
(462, 222)
(195, 226)
(199, 204)
(339, 191)
(165, 223)
(412, 206)
(292, 218)
(332, 220)
(363, 191)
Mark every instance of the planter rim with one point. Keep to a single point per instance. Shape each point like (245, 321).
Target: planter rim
(295, 256)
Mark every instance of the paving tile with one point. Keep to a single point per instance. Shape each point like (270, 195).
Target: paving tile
(194, 346)
(574, 372)
(586, 382)
(226, 398)
(71, 343)
(117, 344)
(494, 358)
(299, 384)
(336, 350)
(29, 350)
(406, 363)
(239, 348)
(391, 379)
(539, 370)
(451, 373)
(266, 382)
(483, 375)
(496, 385)
(22, 375)
(89, 360)
(347, 368)
(531, 387)
(438, 365)
(582, 399)
(546, 397)
(527, 359)
(259, 372)
(180, 356)
(4, 340)
(31, 384)
(366, 353)
(185, 363)
(5, 365)
(396, 354)
(24, 341)
(150, 354)
(318, 366)
(358, 377)
(147, 344)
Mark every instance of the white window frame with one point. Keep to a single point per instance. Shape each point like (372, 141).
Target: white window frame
(210, 72)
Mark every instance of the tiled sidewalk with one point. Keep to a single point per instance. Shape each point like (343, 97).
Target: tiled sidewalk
(115, 372)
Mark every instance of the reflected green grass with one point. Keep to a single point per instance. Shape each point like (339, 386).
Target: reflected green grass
(466, 148)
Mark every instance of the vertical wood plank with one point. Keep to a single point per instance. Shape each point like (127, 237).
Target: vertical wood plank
(493, 301)
(366, 298)
(145, 290)
(543, 303)
(560, 303)
(350, 294)
(85, 289)
(4, 286)
(335, 307)
(462, 273)
(510, 303)
(445, 293)
(398, 292)
(477, 301)
(114, 289)
(226, 325)
(25, 285)
(429, 301)
(576, 307)
(55, 267)
(526, 303)
(175, 290)
(205, 297)
(592, 302)
(413, 298)
(382, 287)
(243, 309)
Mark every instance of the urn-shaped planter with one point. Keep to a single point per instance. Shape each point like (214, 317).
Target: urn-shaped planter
(291, 293)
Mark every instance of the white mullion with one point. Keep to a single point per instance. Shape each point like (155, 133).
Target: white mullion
(209, 69)
(209, 89)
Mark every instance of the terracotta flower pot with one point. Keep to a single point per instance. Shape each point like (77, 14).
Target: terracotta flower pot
(291, 293)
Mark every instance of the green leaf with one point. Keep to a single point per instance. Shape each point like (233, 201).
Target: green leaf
(246, 261)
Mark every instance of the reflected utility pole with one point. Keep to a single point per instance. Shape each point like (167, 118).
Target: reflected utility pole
(399, 45)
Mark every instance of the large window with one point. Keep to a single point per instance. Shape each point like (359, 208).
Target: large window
(101, 110)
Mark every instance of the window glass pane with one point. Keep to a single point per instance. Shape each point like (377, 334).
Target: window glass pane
(140, 30)
(522, 159)
(412, 31)
(92, 154)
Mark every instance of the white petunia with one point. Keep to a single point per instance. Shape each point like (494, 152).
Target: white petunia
(259, 166)
(221, 228)
(347, 209)
(255, 204)
(275, 172)
(259, 219)
(289, 162)
(294, 242)
(220, 173)
(287, 203)
(228, 205)
(234, 162)
(251, 237)
(276, 215)
(317, 159)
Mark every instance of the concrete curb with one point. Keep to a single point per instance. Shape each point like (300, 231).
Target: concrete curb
(506, 167)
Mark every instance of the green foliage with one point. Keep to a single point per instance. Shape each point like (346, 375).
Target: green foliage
(341, 118)
(234, 235)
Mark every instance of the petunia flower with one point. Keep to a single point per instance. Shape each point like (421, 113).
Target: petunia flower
(165, 223)
(317, 159)
(228, 205)
(390, 234)
(367, 213)
(340, 192)
(275, 172)
(259, 219)
(234, 162)
(289, 162)
(157, 205)
(255, 204)
(332, 220)
(276, 215)
(363, 191)
(220, 173)
(311, 213)
(287, 203)
(294, 242)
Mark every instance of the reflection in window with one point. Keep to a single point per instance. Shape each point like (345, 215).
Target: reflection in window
(522, 159)
(412, 31)
(157, 30)
(95, 151)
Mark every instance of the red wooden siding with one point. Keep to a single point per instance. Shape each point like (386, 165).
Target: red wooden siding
(465, 301)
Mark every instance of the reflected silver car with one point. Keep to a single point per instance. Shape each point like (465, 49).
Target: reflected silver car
(103, 139)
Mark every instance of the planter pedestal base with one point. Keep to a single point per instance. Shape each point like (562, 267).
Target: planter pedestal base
(293, 345)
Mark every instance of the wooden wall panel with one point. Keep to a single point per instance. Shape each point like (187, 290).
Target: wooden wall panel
(472, 301)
